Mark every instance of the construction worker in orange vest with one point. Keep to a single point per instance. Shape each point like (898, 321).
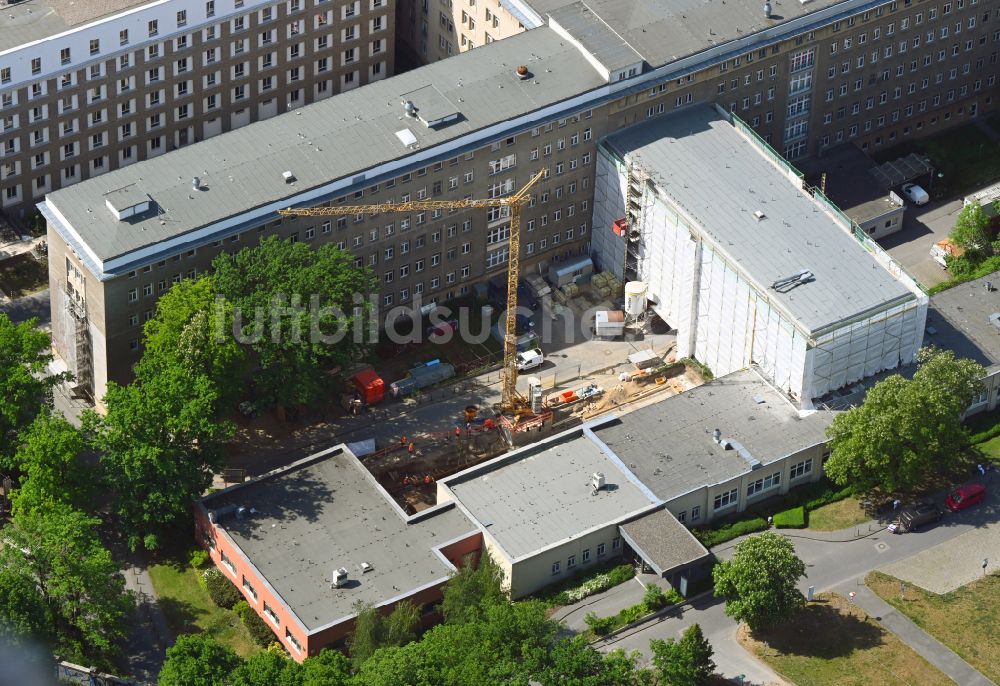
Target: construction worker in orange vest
(411, 448)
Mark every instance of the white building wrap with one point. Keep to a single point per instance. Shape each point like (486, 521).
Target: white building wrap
(729, 320)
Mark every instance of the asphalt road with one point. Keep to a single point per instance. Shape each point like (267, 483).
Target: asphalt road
(829, 565)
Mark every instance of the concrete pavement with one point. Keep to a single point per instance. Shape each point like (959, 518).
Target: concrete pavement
(932, 650)
(922, 228)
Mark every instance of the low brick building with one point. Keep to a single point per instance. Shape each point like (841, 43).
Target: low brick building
(282, 537)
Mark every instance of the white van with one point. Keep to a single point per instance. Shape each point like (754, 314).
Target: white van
(529, 359)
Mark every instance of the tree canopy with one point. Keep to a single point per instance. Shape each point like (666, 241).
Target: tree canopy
(62, 585)
(687, 662)
(50, 461)
(24, 389)
(373, 630)
(290, 301)
(971, 232)
(160, 442)
(474, 587)
(197, 660)
(759, 582)
(906, 429)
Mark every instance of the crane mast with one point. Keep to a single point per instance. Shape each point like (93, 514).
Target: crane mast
(510, 401)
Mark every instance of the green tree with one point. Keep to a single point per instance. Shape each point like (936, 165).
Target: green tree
(161, 443)
(195, 331)
(971, 233)
(293, 279)
(268, 668)
(687, 662)
(24, 386)
(197, 660)
(24, 617)
(329, 668)
(759, 582)
(471, 589)
(51, 466)
(57, 552)
(906, 429)
(574, 662)
(373, 630)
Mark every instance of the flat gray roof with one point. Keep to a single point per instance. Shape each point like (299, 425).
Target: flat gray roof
(662, 541)
(325, 513)
(662, 31)
(958, 319)
(596, 37)
(35, 20)
(703, 164)
(669, 445)
(537, 497)
(329, 140)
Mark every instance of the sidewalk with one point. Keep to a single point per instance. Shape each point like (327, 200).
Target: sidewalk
(149, 636)
(928, 647)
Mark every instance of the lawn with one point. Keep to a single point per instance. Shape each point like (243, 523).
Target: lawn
(842, 514)
(966, 620)
(968, 159)
(991, 449)
(188, 608)
(832, 641)
(23, 275)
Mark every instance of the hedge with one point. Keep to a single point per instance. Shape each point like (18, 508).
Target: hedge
(985, 426)
(654, 599)
(727, 532)
(220, 589)
(794, 518)
(260, 632)
(576, 588)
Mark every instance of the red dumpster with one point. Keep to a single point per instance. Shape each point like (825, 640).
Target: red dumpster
(370, 386)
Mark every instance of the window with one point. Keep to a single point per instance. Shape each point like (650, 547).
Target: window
(292, 641)
(555, 568)
(601, 549)
(616, 543)
(133, 295)
(695, 513)
(800, 469)
(249, 589)
(727, 499)
(764, 484)
(571, 562)
(586, 556)
(271, 614)
(227, 562)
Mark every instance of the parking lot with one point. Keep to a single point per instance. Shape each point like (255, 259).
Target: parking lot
(922, 228)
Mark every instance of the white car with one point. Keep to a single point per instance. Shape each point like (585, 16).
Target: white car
(915, 194)
(529, 359)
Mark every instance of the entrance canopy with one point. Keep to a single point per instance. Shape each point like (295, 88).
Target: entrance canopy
(663, 543)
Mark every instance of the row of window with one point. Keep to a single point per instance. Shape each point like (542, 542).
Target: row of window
(616, 544)
(236, 24)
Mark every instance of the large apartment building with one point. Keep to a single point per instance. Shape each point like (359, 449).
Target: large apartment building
(89, 87)
(808, 77)
(431, 30)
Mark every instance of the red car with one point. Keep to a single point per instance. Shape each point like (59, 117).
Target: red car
(964, 497)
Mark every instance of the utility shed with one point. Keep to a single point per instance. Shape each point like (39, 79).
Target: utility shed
(749, 267)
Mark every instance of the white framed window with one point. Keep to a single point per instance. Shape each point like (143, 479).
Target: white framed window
(726, 499)
(800, 469)
(764, 484)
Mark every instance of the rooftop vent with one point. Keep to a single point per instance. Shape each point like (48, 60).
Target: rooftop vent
(339, 579)
(195, 184)
(406, 137)
(522, 72)
(409, 109)
(596, 482)
(767, 10)
(759, 215)
(366, 567)
(288, 176)
(717, 436)
(995, 319)
(789, 282)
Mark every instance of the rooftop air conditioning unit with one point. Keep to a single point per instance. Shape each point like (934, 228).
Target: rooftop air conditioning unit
(339, 578)
(596, 482)
(366, 567)
(288, 176)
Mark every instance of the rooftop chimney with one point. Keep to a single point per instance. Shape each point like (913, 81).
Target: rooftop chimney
(767, 9)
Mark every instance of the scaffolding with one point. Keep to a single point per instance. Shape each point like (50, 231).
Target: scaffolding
(84, 372)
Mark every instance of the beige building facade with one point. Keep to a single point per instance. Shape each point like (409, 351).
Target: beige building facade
(432, 30)
(91, 87)
(825, 74)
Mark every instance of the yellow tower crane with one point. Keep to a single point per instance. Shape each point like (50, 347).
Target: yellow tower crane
(511, 401)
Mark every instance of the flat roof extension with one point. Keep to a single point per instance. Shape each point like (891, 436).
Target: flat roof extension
(531, 499)
(669, 445)
(959, 319)
(720, 178)
(327, 512)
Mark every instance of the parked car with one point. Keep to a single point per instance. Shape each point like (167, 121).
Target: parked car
(916, 516)
(529, 359)
(966, 496)
(915, 194)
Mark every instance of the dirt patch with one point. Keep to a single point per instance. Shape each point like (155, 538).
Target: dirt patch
(23, 275)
